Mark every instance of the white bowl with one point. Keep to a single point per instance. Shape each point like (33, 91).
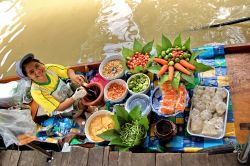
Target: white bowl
(145, 91)
(95, 114)
(108, 59)
(118, 81)
(139, 99)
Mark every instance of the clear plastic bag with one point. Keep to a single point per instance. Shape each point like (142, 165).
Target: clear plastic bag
(16, 126)
(15, 93)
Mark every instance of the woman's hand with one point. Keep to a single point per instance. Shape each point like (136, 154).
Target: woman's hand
(77, 79)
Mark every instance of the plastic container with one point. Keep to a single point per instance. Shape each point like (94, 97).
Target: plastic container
(224, 119)
(141, 100)
(118, 81)
(95, 114)
(145, 91)
(108, 59)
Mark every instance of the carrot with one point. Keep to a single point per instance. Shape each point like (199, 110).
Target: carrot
(162, 71)
(161, 61)
(187, 65)
(170, 72)
(179, 67)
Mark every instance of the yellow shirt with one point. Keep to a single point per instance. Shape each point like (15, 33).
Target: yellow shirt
(44, 98)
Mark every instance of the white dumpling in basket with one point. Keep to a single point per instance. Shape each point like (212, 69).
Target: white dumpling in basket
(194, 113)
(221, 107)
(209, 129)
(217, 98)
(210, 91)
(206, 114)
(211, 106)
(217, 122)
(222, 93)
(198, 91)
(205, 98)
(199, 105)
(196, 125)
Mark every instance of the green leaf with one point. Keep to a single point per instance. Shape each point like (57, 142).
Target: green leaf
(176, 80)
(166, 43)
(187, 44)
(137, 69)
(123, 148)
(159, 49)
(144, 122)
(163, 79)
(109, 135)
(137, 46)
(127, 52)
(121, 113)
(194, 55)
(148, 47)
(135, 113)
(200, 67)
(189, 79)
(116, 121)
(154, 69)
(177, 41)
(117, 141)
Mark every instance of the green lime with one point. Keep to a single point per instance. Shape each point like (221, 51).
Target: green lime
(171, 63)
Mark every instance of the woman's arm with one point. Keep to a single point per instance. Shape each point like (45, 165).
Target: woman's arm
(65, 104)
(77, 79)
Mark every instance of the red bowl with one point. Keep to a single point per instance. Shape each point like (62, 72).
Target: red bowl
(98, 88)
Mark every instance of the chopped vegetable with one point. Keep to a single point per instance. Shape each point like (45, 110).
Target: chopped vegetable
(138, 83)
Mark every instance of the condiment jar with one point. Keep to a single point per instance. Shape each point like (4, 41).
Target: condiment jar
(165, 130)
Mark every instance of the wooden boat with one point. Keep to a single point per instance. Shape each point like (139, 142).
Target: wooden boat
(238, 64)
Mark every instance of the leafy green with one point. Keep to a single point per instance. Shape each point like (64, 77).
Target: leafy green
(154, 69)
(116, 121)
(163, 79)
(166, 43)
(126, 52)
(187, 44)
(176, 80)
(200, 67)
(137, 46)
(121, 112)
(135, 113)
(144, 122)
(109, 135)
(159, 49)
(147, 48)
(194, 55)
(189, 79)
(116, 141)
(177, 41)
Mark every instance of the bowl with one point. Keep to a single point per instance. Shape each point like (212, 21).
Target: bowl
(110, 68)
(101, 113)
(139, 99)
(110, 86)
(138, 83)
(99, 100)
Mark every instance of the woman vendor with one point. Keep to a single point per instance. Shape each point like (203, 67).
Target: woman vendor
(48, 90)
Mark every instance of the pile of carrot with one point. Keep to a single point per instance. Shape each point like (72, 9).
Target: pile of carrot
(175, 62)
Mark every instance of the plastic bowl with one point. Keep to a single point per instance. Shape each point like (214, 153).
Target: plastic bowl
(139, 99)
(144, 91)
(108, 59)
(98, 113)
(120, 82)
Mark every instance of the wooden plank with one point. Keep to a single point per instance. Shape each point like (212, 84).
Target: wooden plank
(105, 161)
(15, 155)
(124, 159)
(215, 160)
(239, 81)
(145, 159)
(113, 158)
(237, 48)
(57, 159)
(95, 156)
(78, 156)
(163, 159)
(194, 159)
(26, 158)
(40, 159)
(5, 157)
(230, 159)
(65, 158)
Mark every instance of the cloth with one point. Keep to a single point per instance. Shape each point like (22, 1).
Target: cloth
(42, 93)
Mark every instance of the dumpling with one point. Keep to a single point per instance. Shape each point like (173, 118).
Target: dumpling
(217, 98)
(205, 98)
(209, 129)
(211, 106)
(210, 91)
(196, 125)
(199, 105)
(221, 92)
(206, 115)
(198, 91)
(194, 113)
(221, 107)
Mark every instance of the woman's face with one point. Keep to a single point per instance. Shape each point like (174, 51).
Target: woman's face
(35, 71)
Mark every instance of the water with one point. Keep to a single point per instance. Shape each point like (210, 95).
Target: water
(70, 32)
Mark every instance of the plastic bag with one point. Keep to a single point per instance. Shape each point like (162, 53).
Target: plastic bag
(16, 126)
(15, 93)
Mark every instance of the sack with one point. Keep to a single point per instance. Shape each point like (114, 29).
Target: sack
(15, 93)
(16, 125)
